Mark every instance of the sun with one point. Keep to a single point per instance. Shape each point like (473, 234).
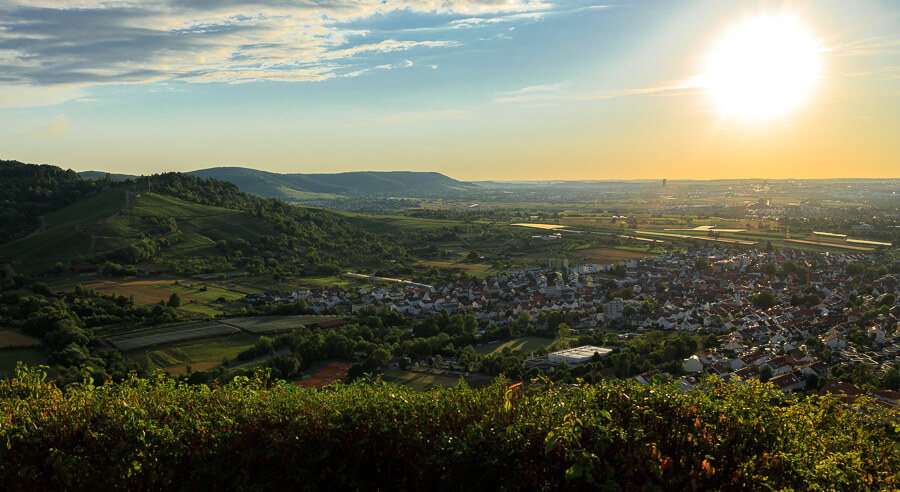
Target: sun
(763, 68)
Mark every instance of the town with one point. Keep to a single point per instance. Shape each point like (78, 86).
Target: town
(795, 319)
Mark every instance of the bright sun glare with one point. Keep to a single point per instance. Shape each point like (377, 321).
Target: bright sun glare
(763, 68)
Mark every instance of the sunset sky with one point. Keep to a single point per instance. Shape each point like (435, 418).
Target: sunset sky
(489, 89)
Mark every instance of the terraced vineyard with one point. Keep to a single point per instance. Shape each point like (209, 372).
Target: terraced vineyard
(169, 334)
(264, 325)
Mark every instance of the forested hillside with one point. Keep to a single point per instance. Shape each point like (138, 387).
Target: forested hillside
(28, 191)
(254, 434)
(288, 186)
(178, 222)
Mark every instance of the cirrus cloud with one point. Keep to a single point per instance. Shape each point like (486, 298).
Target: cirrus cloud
(78, 43)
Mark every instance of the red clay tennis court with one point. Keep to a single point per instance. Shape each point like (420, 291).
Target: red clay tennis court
(332, 372)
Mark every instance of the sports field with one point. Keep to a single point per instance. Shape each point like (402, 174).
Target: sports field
(324, 375)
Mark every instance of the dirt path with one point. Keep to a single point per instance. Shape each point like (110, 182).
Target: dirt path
(12, 272)
(130, 198)
(41, 228)
(261, 359)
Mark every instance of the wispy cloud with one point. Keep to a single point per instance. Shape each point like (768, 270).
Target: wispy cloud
(406, 117)
(79, 43)
(532, 93)
(666, 89)
(51, 130)
(880, 45)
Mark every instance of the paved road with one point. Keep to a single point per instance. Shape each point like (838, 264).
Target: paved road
(385, 279)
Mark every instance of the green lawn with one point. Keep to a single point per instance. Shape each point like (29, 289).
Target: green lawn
(10, 358)
(525, 344)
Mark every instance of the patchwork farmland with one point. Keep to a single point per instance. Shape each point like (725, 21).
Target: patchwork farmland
(169, 334)
(264, 325)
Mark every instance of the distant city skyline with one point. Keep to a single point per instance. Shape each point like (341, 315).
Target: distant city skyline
(478, 90)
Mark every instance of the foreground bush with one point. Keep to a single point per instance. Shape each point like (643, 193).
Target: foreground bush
(254, 435)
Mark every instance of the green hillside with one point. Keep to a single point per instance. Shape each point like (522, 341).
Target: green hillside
(65, 236)
(312, 186)
(249, 434)
(28, 191)
(192, 225)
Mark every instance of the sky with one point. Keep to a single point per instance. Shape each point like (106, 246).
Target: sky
(474, 89)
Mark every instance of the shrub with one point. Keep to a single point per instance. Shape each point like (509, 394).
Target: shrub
(252, 433)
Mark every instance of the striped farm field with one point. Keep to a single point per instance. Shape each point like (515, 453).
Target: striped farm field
(274, 324)
(169, 334)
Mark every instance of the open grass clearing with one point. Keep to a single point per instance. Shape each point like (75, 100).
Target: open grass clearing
(11, 357)
(15, 338)
(525, 344)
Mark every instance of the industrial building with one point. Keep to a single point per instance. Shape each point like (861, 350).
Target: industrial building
(578, 355)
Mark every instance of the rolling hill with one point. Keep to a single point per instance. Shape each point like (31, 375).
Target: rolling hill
(305, 186)
(102, 174)
(187, 223)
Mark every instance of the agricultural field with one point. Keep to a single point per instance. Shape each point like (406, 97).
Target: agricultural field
(9, 358)
(607, 255)
(201, 355)
(549, 227)
(170, 334)
(194, 299)
(480, 270)
(382, 224)
(525, 344)
(423, 381)
(265, 325)
(15, 338)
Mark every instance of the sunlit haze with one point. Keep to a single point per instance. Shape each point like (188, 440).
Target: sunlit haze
(474, 89)
(764, 68)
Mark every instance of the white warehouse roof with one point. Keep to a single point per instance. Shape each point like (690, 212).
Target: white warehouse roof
(578, 355)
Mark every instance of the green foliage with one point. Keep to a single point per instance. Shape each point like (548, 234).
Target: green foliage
(764, 300)
(174, 300)
(251, 433)
(28, 191)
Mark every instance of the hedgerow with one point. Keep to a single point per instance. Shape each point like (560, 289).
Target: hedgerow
(257, 434)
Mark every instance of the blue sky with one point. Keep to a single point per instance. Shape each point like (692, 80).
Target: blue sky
(492, 89)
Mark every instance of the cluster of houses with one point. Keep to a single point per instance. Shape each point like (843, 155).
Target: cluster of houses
(669, 292)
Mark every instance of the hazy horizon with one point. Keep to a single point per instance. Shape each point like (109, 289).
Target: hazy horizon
(474, 89)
